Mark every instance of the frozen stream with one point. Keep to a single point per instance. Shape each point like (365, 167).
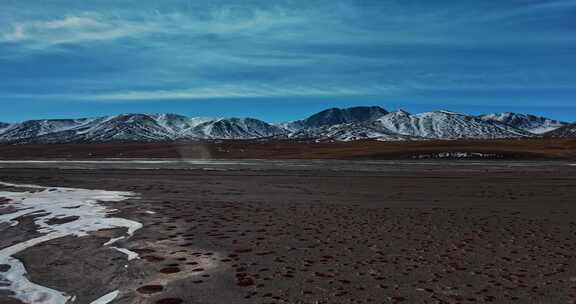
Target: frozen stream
(57, 203)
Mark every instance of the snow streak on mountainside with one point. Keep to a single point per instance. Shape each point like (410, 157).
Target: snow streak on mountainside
(3, 126)
(568, 131)
(527, 122)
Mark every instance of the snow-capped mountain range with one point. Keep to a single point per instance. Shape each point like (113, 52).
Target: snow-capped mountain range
(356, 123)
(136, 128)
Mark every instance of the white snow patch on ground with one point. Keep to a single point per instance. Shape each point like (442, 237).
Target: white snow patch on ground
(107, 298)
(57, 203)
(23, 289)
(130, 254)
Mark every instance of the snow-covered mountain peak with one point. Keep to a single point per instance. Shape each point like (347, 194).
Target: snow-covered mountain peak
(238, 128)
(531, 123)
(337, 116)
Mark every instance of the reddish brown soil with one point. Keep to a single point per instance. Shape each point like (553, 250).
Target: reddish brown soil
(506, 149)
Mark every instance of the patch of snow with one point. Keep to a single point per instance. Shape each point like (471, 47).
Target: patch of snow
(106, 298)
(112, 241)
(48, 204)
(458, 155)
(542, 130)
(131, 255)
(23, 289)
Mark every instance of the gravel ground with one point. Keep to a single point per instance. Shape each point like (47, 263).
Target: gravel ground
(316, 232)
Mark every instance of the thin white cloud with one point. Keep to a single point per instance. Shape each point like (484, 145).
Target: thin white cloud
(91, 27)
(218, 92)
(239, 91)
(71, 29)
(74, 22)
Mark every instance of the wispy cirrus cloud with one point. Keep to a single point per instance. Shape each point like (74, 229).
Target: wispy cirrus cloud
(89, 27)
(72, 30)
(237, 91)
(217, 92)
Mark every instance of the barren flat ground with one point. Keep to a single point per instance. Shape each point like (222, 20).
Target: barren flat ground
(299, 231)
(509, 149)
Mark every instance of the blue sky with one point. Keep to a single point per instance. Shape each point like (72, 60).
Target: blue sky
(282, 60)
